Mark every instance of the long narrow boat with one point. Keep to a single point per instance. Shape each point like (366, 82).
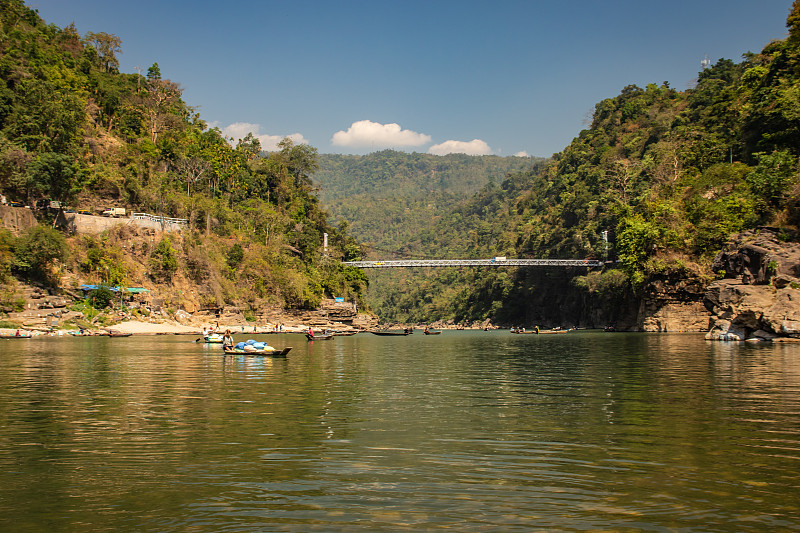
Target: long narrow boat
(319, 337)
(390, 333)
(25, 336)
(267, 353)
(428, 332)
(540, 331)
(214, 338)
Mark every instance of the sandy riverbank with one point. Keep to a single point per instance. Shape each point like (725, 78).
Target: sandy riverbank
(146, 328)
(135, 327)
(132, 327)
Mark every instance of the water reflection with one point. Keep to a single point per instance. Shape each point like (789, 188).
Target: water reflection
(466, 430)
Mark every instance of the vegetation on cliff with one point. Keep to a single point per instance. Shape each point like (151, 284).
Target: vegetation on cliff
(74, 129)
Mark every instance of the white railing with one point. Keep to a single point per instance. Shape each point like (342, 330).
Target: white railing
(475, 262)
(160, 220)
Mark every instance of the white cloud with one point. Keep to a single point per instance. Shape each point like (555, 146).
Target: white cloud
(239, 130)
(270, 142)
(473, 147)
(367, 133)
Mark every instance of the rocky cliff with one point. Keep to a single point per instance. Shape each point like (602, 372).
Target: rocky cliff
(758, 295)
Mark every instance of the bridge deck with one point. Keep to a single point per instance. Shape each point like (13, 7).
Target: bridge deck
(475, 262)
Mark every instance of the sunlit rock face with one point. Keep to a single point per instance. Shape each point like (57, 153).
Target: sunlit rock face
(759, 295)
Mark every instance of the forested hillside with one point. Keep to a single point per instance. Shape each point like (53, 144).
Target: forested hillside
(388, 198)
(74, 129)
(669, 174)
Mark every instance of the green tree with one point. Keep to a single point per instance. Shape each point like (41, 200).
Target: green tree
(154, 72)
(234, 256)
(793, 23)
(636, 239)
(101, 297)
(51, 175)
(37, 254)
(773, 176)
(107, 46)
(250, 145)
(163, 261)
(302, 161)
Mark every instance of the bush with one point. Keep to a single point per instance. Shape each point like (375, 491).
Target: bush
(163, 261)
(235, 256)
(101, 297)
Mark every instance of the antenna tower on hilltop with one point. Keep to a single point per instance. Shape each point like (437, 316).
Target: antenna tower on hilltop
(705, 63)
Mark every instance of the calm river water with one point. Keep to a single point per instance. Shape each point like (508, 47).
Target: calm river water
(468, 431)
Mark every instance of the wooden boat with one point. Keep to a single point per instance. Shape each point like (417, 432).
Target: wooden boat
(390, 333)
(114, 333)
(264, 353)
(21, 336)
(428, 332)
(319, 337)
(539, 331)
(343, 333)
(214, 338)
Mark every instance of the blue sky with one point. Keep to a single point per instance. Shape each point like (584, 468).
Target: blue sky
(435, 76)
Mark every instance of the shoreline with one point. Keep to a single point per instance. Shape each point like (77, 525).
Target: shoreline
(139, 328)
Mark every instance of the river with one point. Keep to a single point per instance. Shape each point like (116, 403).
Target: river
(467, 430)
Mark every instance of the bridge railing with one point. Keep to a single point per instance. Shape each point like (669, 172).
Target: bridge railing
(410, 263)
(160, 220)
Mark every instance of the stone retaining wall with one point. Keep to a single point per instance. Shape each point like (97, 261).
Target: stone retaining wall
(78, 223)
(16, 219)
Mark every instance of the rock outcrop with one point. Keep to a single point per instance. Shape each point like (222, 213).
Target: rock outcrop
(758, 297)
(673, 301)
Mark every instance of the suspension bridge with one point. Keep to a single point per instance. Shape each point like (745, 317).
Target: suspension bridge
(493, 262)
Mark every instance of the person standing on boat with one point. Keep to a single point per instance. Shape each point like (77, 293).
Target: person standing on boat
(227, 341)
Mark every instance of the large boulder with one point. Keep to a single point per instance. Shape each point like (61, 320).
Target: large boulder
(725, 330)
(759, 293)
(756, 256)
(750, 308)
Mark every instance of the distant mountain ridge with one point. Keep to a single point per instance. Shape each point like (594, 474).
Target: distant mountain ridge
(388, 198)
